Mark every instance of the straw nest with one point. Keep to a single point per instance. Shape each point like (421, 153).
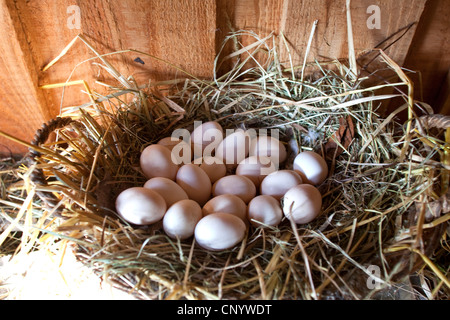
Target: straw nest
(383, 230)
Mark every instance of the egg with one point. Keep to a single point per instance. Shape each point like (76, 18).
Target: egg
(181, 152)
(268, 146)
(238, 185)
(181, 218)
(234, 148)
(205, 138)
(256, 168)
(226, 203)
(265, 209)
(156, 161)
(219, 231)
(279, 182)
(195, 182)
(303, 203)
(311, 166)
(214, 168)
(140, 206)
(168, 189)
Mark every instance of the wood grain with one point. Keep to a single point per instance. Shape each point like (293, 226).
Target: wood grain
(429, 54)
(295, 19)
(23, 107)
(188, 34)
(181, 32)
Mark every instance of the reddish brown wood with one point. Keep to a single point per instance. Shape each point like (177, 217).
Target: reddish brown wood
(188, 34)
(23, 107)
(429, 54)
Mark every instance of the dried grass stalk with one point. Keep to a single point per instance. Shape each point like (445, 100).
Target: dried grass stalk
(385, 204)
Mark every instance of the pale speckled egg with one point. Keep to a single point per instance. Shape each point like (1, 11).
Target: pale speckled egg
(234, 148)
(156, 161)
(265, 209)
(311, 166)
(205, 138)
(269, 147)
(256, 168)
(181, 152)
(168, 189)
(303, 203)
(279, 182)
(140, 206)
(238, 185)
(195, 182)
(214, 168)
(181, 219)
(226, 203)
(219, 231)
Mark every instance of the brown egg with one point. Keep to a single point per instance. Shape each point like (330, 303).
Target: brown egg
(214, 168)
(181, 218)
(226, 203)
(205, 138)
(234, 148)
(269, 147)
(181, 152)
(168, 189)
(302, 203)
(195, 182)
(255, 168)
(312, 166)
(219, 231)
(279, 182)
(156, 161)
(238, 185)
(265, 209)
(140, 206)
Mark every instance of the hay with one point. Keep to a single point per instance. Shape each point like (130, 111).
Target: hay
(385, 211)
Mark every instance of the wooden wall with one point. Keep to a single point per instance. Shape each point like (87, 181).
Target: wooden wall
(189, 33)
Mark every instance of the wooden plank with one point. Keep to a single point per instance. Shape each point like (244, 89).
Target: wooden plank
(429, 55)
(186, 33)
(23, 107)
(182, 32)
(394, 33)
(295, 18)
(45, 25)
(443, 98)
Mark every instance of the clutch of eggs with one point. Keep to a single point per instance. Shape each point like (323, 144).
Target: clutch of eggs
(214, 186)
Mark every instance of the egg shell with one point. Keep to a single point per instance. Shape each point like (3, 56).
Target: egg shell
(234, 148)
(181, 152)
(279, 182)
(312, 166)
(140, 206)
(219, 231)
(265, 209)
(226, 203)
(238, 185)
(207, 136)
(256, 168)
(181, 218)
(214, 168)
(195, 182)
(156, 161)
(303, 203)
(168, 189)
(268, 146)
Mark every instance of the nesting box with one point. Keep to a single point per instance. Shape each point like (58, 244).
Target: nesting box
(119, 76)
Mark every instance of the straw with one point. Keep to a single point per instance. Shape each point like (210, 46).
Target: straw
(376, 202)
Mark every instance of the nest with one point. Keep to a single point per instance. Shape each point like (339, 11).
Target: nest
(382, 230)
